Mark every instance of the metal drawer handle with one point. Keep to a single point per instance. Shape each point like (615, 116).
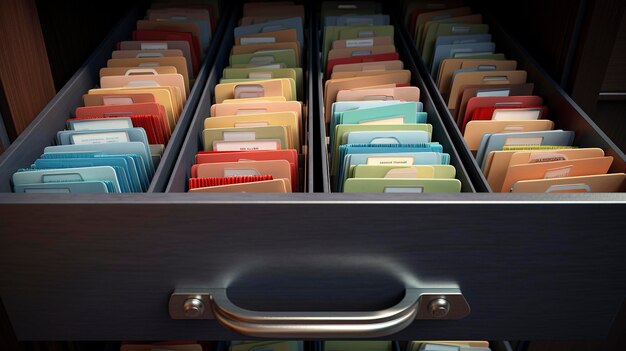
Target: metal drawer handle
(423, 304)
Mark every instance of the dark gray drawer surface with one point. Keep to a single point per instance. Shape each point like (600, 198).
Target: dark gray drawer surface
(103, 268)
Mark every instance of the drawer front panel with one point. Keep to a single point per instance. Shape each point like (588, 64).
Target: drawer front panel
(528, 270)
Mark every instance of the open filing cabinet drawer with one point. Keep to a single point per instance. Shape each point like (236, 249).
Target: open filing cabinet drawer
(106, 267)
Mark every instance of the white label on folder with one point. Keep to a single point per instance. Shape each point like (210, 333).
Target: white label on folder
(404, 189)
(464, 41)
(523, 141)
(153, 46)
(390, 161)
(365, 34)
(513, 128)
(569, 188)
(470, 54)
(390, 120)
(149, 64)
(100, 138)
(516, 114)
(537, 157)
(260, 75)
(460, 29)
(148, 54)
(246, 145)
(493, 93)
(111, 100)
(353, 43)
(486, 68)
(251, 124)
(244, 91)
(244, 112)
(273, 65)
(143, 83)
(232, 136)
(105, 123)
(436, 347)
(557, 172)
(240, 172)
(257, 40)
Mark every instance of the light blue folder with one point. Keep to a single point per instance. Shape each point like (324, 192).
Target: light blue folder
(66, 187)
(125, 168)
(389, 137)
(29, 177)
(126, 148)
(449, 50)
(350, 149)
(418, 158)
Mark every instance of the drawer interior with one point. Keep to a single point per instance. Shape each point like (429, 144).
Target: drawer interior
(439, 133)
(562, 109)
(193, 143)
(42, 131)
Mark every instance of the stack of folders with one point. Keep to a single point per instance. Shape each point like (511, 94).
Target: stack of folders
(380, 140)
(448, 346)
(357, 346)
(254, 135)
(509, 130)
(114, 143)
(267, 345)
(166, 346)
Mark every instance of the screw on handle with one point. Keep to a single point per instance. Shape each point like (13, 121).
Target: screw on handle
(193, 307)
(439, 308)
